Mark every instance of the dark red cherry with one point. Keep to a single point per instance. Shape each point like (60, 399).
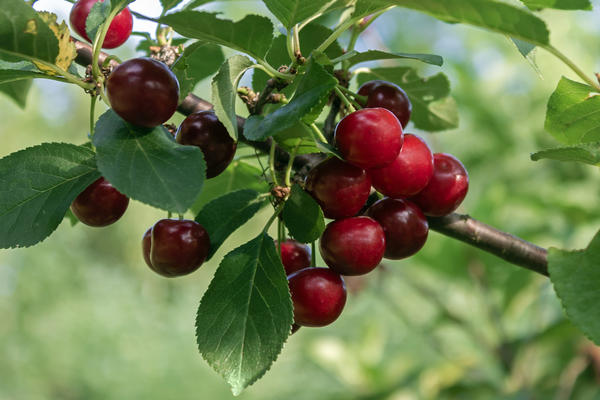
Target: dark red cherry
(294, 255)
(118, 30)
(353, 246)
(175, 247)
(143, 92)
(389, 96)
(203, 129)
(369, 138)
(404, 224)
(318, 295)
(447, 187)
(100, 204)
(341, 189)
(409, 173)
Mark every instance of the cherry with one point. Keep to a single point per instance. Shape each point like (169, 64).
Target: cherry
(118, 30)
(318, 295)
(100, 204)
(294, 255)
(389, 96)
(175, 247)
(369, 138)
(203, 129)
(341, 189)
(446, 189)
(143, 92)
(409, 173)
(404, 224)
(353, 246)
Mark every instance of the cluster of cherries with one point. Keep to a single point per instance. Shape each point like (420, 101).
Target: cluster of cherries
(376, 153)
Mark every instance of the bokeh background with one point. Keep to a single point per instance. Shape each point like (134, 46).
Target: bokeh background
(82, 317)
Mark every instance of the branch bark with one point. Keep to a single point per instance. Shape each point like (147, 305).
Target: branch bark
(462, 227)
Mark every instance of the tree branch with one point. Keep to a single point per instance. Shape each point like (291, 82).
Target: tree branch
(462, 227)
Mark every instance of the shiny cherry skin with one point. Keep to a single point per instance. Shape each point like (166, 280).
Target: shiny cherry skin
(404, 224)
(341, 189)
(294, 255)
(175, 247)
(318, 295)
(369, 138)
(118, 31)
(203, 129)
(100, 204)
(143, 92)
(447, 188)
(409, 173)
(353, 246)
(389, 96)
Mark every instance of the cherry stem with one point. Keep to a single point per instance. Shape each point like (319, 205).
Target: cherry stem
(276, 213)
(272, 163)
(558, 54)
(313, 254)
(290, 165)
(349, 92)
(319, 135)
(92, 115)
(99, 40)
(344, 99)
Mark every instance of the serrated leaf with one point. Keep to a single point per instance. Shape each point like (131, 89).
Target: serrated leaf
(37, 186)
(433, 108)
(224, 215)
(23, 34)
(66, 48)
(489, 14)
(576, 279)
(306, 105)
(98, 14)
(291, 12)
(11, 72)
(587, 153)
(17, 91)
(372, 55)
(573, 113)
(558, 4)
(224, 91)
(168, 4)
(147, 164)
(303, 216)
(198, 61)
(245, 315)
(251, 35)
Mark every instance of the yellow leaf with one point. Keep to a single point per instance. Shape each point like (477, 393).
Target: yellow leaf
(66, 48)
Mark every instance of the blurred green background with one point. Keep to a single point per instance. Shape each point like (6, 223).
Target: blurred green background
(82, 317)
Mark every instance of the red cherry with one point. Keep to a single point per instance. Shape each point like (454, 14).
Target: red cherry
(341, 189)
(203, 129)
(294, 255)
(318, 295)
(100, 204)
(389, 96)
(143, 92)
(404, 224)
(175, 247)
(118, 30)
(369, 138)
(409, 173)
(353, 246)
(446, 189)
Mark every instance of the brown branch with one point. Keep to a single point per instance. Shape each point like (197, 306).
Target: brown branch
(462, 227)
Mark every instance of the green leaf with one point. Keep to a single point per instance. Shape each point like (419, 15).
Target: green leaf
(11, 72)
(98, 14)
(303, 216)
(588, 153)
(238, 175)
(433, 108)
(559, 4)
(17, 91)
(371, 55)
(224, 91)
(23, 34)
(168, 4)
(573, 114)
(223, 215)
(576, 277)
(297, 137)
(245, 315)
(252, 35)
(198, 61)
(493, 15)
(147, 164)
(37, 186)
(291, 12)
(306, 105)
(145, 44)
